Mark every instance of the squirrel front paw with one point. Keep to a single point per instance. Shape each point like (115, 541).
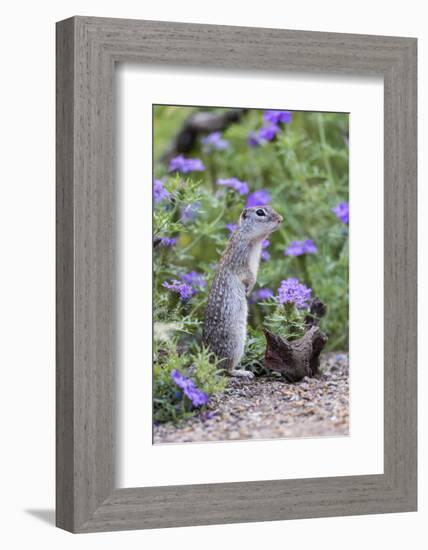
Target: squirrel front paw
(240, 373)
(248, 283)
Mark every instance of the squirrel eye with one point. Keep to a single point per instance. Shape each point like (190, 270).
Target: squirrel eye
(260, 212)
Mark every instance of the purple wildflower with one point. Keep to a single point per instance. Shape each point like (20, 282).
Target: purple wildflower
(342, 212)
(254, 139)
(159, 191)
(194, 279)
(240, 186)
(260, 295)
(277, 117)
(214, 141)
(168, 241)
(298, 248)
(258, 198)
(270, 129)
(189, 212)
(184, 166)
(265, 293)
(294, 292)
(267, 133)
(196, 396)
(265, 256)
(232, 227)
(184, 290)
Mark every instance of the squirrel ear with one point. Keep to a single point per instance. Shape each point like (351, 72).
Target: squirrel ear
(244, 214)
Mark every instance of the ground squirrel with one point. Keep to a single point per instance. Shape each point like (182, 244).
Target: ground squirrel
(225, 326)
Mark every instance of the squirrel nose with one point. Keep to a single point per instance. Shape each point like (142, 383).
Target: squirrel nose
(280, 219)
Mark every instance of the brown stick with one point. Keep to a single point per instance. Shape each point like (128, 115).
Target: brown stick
(203, 122)
(297, 359)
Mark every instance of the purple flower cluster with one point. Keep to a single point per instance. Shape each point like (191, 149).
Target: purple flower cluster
(268, 132)
(294, 292)
(239, 186)
(298, 248)
(258, 198)
(189, 388)
(194, 279)
(189, 212)
(277, 117)
(342, 212)
(188, 286)
(214, 141)
(184, 290)
(232, 227)
(261, 294)
(254, 139)
(159, 192)
(168, 241)
(265, 293)
(265, 256)
(184, 166)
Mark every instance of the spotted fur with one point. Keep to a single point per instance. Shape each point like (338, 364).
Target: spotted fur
(225, 326)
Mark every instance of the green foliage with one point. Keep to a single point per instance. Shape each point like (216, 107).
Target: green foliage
(207, 372)
(254, 351)
(285, 320)
(305, 170)
(169, 402)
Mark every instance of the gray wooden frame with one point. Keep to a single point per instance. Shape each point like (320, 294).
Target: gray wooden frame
(87, 50)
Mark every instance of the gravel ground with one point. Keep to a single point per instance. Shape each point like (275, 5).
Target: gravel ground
(268, 407)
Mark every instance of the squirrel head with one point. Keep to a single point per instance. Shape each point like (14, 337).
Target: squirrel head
(259, 221)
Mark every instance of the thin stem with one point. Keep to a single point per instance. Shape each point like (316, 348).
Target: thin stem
(199, 237)
(325, 154)
(304, 269)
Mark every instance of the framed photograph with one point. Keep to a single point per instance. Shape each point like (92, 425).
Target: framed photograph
(209, 228)
(236, 274)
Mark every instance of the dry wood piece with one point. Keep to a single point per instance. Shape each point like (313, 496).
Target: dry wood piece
(203, 122)
(316, 311)
(297, 359)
